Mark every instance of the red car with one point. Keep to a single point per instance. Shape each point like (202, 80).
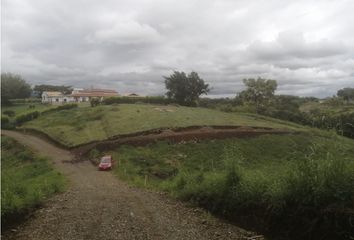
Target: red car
(106, 163)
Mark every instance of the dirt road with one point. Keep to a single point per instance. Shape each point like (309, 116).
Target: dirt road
(98, 205)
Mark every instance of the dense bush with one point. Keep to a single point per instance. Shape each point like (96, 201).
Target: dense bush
(26, 117)
(6, 123)
(94, 102)
(9, 113)
(151, 100)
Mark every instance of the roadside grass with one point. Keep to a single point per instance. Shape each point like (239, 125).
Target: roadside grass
(26, 180)
(297, 184)
(77, 126)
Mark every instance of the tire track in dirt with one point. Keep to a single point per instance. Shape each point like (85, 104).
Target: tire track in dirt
(97, 205)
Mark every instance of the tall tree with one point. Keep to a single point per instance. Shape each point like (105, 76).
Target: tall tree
(185, 89)
(259, 91)
(346, 93)
(13, 86)
(43, 87)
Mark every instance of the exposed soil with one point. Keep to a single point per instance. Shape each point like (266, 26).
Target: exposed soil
(98, 205)
(194, 133)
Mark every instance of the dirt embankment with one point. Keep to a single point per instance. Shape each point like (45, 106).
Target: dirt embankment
(175, 135)
(97, 205)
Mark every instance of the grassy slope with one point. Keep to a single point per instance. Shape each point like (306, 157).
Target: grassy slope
(76, 126)
(283, 178)
(26, 179)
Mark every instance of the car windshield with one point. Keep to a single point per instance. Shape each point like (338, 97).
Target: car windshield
(105, 160)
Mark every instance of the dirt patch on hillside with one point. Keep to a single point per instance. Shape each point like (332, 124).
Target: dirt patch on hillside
(175, 135)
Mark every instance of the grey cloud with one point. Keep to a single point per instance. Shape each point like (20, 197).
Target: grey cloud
(129, 45)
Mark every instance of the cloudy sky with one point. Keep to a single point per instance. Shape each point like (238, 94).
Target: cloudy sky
(307, 46)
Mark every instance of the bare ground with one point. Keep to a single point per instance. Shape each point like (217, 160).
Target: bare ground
(98, 205)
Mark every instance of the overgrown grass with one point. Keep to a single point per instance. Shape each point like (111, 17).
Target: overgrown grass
(77, 126)
(302, 185)
(26, 180)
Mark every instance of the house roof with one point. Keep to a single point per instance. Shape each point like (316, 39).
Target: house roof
(53, 94)
(95, 93)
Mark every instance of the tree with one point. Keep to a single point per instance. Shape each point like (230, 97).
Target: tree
(43, 87)
(13, 86)
(346, 93)
(259, 91)
(185, 89)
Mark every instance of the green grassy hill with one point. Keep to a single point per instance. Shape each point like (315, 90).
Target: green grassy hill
(86, 124)
(297, 185)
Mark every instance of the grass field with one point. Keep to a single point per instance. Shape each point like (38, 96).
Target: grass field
(282, 181)
(26, 179)
(82, 125)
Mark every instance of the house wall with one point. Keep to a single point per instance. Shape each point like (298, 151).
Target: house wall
(57, 100)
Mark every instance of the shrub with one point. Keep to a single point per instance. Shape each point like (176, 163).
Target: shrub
(6, 123)
(26, 117)
(9, 113)
(94, 102)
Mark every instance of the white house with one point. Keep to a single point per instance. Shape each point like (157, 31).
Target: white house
(56, 98)
(78, 95)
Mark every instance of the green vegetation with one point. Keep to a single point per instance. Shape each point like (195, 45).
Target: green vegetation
(26, 117)
(259, 92)
(13, 86)
(52, 88)
(77, 126)
(185, 89)
(26, 179)
(301, 184)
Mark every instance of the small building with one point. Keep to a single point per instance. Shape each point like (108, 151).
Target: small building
(86, 94)
(77, 95)
(55, 98)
